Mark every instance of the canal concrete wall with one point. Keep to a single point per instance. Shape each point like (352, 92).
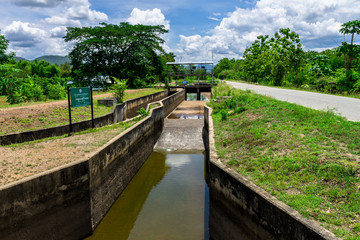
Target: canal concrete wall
(248, 209)
(68, 202)
(120, 112)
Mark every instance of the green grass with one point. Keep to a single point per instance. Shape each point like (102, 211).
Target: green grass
(109, 130)
(60, 116)
(143, 92)
(5, 104)
(306, 158)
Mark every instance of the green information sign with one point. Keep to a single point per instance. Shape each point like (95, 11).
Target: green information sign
(80, 97)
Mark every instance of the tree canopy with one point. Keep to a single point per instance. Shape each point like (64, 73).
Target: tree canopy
(3, 46)
(123, 51)
(270, 59)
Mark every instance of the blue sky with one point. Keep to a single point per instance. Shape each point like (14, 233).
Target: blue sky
(196, 27)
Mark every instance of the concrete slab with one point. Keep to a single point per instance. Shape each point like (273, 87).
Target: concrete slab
(183, 134)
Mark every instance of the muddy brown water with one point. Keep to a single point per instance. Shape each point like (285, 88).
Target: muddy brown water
(167, 199)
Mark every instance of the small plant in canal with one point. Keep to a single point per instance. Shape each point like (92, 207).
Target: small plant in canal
(143, 112)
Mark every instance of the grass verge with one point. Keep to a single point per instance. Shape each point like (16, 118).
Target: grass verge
(306, 158)
(59, 115)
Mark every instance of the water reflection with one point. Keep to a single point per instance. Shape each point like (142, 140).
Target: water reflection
(193, 97)
(186, 116)
(167, 199)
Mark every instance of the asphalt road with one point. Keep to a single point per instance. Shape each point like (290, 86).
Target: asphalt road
(344, 106)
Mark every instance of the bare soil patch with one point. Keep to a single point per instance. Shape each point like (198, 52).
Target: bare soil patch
(24, 160)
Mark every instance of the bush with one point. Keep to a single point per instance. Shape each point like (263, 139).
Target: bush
(32, 92)
(56, 91)
(118, 89)
(138, 83)
(224, 115)
(143, 112)
(15, 98)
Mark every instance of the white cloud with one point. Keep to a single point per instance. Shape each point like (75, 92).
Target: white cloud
(23, 34)
(28, 40)
(214, 18)
(76, 13)
(148, 17)
(44, 35)
(151, 17)
(58, 32)
(317, 23)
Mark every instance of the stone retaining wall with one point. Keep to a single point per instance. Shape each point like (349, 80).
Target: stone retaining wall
(120, 112)
(69, 202)
(249, 209)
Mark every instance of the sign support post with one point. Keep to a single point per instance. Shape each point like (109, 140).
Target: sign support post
(92, 108)
(70, 124)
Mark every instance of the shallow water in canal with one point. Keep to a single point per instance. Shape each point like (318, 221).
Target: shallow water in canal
(167, 199)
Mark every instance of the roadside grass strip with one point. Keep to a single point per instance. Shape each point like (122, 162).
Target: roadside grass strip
(308, 159)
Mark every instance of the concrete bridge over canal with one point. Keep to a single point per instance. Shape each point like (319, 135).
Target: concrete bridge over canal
(197, 88)
(191, 76)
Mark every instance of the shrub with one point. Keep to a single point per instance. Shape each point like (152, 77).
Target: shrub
(143, 112)
(118, 89)
(138, 83)
(32, 92)
(224, 115)
(56, 91)
(14, 98)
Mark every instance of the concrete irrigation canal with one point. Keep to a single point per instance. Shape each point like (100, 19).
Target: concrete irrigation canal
(168, 198)
(159, 179)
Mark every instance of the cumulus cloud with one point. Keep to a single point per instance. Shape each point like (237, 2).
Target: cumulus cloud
(22, 34)
(28, 40)
(317, 23)
(76, 13)
(148, 17)
(44, 35)
(58, 32)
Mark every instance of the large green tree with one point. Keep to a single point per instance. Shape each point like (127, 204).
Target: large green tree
(270, 59)
(256, 66)
(123, 51)
(286, 52)
(3, 46)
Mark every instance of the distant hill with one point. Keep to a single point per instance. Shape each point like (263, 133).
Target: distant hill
(53, 59)
(20, 59)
